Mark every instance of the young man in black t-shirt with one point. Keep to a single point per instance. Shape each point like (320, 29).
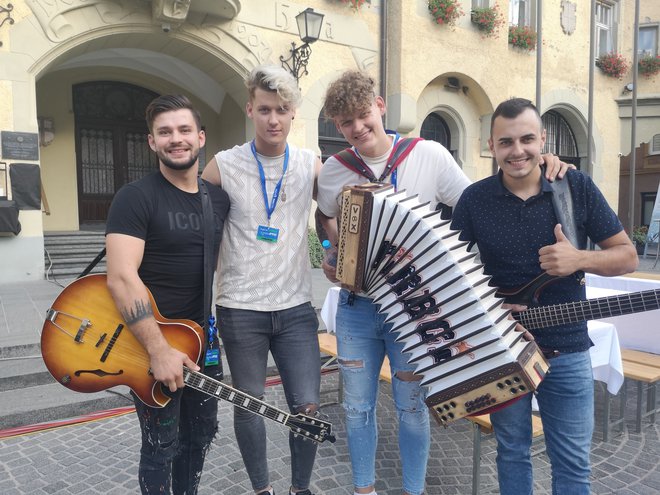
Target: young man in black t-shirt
(155, 241)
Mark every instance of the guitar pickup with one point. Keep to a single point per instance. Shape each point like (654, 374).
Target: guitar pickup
(84, 325)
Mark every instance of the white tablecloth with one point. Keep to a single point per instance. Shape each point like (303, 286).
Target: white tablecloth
(639, 331)
(605, 354)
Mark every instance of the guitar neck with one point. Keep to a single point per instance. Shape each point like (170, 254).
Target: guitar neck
(590, 309)
(217, 389)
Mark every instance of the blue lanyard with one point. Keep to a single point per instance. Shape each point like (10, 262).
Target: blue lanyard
(393, 175)
(270, 208)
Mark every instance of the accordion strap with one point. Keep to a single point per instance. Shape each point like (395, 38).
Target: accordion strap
(351, 160)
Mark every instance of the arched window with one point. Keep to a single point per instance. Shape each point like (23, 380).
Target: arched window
(436, 129)
(559, 138)
(330, 139)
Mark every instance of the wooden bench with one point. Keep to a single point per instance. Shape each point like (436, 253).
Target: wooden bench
(643, 368)
(481, 424)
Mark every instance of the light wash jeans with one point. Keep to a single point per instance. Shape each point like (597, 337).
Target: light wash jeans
(362, 342)
(291, 337)
(566, 404)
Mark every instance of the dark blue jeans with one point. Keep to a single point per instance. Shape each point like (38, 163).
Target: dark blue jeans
(291, 337)
(175, 440)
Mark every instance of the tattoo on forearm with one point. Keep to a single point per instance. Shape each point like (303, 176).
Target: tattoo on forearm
(140, 311)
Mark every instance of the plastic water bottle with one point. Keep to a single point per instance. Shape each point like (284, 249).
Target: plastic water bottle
(330, 255)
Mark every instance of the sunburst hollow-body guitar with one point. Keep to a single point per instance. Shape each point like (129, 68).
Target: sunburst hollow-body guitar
(87, 347)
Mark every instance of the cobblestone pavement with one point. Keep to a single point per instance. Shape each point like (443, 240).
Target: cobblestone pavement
(101, 457)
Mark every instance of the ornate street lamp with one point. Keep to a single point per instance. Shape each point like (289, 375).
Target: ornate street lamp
(309, 30)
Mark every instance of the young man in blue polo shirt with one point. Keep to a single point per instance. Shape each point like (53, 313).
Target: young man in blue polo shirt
(510, 217)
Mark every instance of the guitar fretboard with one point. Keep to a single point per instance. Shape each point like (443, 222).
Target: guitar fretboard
(590, 309)
(209, 386)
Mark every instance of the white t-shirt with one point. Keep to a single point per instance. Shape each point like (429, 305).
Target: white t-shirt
(429, 171)
(255, 274)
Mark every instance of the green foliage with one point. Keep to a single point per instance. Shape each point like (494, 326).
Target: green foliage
(487, 19)
(639, 234)
(445, 11)
(316, 252)
(523, 37)
(649, 66)
(612, 64)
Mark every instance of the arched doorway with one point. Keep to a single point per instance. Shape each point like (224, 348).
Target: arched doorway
(559, 138)
(112, 147)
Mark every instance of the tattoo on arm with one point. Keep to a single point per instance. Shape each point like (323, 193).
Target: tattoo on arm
(140, 311)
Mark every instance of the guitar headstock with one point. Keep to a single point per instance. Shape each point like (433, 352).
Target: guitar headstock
(311, 428)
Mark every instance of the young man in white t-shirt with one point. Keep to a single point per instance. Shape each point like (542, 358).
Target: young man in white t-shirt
(363, 339)
(264, 293)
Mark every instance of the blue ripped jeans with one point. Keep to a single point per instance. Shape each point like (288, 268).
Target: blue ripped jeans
(362, 342)
(175, 440)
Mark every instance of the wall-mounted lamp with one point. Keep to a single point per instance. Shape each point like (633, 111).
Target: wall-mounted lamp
(309, 30)
(7, 11)
(453, 84)
(46, 130)
(627, 88)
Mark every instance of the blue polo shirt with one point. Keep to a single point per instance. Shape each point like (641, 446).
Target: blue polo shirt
(509, 233)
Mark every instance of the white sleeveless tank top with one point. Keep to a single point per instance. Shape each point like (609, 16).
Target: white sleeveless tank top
(255, 274)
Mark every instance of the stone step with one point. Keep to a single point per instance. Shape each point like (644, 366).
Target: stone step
(50, 402)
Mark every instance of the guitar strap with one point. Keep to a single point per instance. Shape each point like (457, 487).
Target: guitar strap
(94, 262)
(562, 202)
(210, 341)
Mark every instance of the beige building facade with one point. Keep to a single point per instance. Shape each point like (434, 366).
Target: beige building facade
(75, 76)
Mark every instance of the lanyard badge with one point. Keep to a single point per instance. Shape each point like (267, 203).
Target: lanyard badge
(266, 232)
(213, 348)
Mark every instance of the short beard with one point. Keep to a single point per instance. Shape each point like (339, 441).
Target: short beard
(179, 166)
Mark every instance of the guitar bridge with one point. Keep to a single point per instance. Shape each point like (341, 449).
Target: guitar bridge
(84, 325)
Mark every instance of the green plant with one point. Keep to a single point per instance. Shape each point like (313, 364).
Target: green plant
(612, 64)
(445, 11)
(354, 4)
(487, 19)
(316, 252)
(522, 37)
(649, 66)
(639, 234)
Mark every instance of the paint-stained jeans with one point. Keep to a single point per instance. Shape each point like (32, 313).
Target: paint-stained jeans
(291, 337)
(175, 440)
(362, 342)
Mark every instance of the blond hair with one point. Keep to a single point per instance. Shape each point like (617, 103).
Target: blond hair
(277, 79)
(353, 92)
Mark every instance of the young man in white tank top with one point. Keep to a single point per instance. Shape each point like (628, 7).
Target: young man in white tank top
(264, 274)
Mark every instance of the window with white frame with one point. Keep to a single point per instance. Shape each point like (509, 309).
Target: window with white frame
(655, 145)
(520, 13)
(605, 28)
(480, 4)
(648, 41)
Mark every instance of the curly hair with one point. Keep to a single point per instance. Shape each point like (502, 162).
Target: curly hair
(274, 78)
(352, 93)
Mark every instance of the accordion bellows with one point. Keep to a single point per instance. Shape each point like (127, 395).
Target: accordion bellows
(403, 255)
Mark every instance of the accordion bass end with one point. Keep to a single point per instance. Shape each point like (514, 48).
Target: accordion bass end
(403, 255)
(356, 211)
(491, 390)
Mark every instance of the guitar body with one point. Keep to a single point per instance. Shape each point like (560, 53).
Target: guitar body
(87, 346)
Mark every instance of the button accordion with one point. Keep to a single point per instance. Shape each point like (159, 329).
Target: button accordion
(400, 252)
